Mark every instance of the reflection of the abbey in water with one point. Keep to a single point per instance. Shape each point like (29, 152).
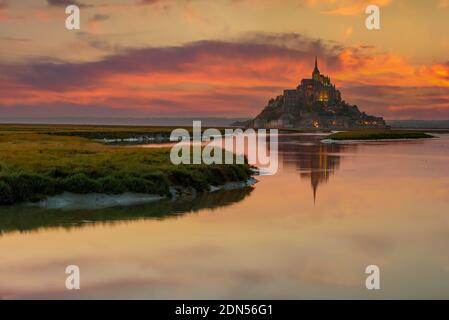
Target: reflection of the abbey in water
(312, 159)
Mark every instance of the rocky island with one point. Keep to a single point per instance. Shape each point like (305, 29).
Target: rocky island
(314, 104)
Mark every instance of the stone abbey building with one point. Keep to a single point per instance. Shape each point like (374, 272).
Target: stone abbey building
(319, 88)
(315, 103)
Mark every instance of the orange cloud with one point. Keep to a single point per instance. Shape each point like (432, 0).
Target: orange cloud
(42, 15)
(344, 7)
(4, 14)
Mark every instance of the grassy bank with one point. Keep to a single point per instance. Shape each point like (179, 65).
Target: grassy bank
(377, 134)
(35, 162)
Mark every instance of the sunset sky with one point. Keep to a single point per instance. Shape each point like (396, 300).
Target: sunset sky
(219, 58)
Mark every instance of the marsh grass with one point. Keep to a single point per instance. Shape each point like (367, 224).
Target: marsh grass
(377, 134)
(35, 164)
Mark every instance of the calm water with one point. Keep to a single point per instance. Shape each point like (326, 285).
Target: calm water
(307, 232)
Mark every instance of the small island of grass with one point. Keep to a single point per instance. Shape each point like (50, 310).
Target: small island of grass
(378, 134)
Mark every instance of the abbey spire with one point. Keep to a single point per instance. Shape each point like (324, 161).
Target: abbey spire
(316, 72)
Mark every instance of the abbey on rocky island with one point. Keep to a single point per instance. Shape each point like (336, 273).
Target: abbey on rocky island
(315, 103)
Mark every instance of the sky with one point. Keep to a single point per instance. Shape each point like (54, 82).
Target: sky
(224, 58)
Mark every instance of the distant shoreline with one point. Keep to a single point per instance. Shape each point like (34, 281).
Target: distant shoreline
(174, 121)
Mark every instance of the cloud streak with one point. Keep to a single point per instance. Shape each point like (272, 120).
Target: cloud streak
(65, 3)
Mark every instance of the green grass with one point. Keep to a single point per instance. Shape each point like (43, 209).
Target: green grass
(377, 134)
(35, 163)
